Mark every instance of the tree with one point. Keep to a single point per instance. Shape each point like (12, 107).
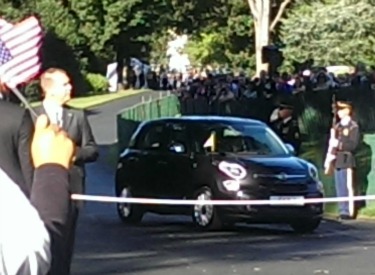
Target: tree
(266, 15)
(331, 32)
(225, 36)
(207, 49)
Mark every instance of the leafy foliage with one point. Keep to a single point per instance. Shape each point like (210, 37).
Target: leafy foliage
(227, 36)
(85, 35)
(98, 83)
(331, 32)
(32, 91)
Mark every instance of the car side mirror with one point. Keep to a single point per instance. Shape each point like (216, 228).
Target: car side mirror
(177, 148)
(290, 148)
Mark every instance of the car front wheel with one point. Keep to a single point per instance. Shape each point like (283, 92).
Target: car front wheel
(129, 212)
(306, 226)
(206, 216)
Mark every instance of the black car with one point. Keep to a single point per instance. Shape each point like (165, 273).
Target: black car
(222, 158)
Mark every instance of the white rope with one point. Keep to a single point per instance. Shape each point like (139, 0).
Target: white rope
(108, 199)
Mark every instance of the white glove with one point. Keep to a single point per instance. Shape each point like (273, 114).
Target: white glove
(333, 142)
(328, 160)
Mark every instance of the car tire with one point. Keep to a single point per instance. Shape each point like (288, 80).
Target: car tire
(206, 217)
(306, 226)
(129, 213)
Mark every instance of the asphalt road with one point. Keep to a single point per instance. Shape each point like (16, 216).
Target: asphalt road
(168, 245)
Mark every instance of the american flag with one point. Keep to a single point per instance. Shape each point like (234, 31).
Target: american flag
(19, 51)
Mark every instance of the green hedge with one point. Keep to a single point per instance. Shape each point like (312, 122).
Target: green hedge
(98, 83)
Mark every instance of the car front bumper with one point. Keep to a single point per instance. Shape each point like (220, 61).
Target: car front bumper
(271, 213)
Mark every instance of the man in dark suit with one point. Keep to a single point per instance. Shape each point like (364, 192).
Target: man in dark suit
(57, 89)
(16, 130)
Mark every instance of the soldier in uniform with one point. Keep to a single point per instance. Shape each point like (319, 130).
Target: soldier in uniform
(286, 126)
(345, 141)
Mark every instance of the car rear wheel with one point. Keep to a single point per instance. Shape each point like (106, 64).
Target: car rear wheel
(129, 212)
(206, 216)
(306, 226)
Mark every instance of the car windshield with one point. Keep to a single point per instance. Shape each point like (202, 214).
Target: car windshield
(245, 139)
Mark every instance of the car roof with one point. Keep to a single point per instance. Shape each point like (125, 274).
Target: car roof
(211, 119)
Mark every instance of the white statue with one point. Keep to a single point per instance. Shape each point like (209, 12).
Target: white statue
(178, 60)
(139, 68)
(146, 70)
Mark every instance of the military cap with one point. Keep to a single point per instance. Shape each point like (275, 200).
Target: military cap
(286, 105)
(343, 104)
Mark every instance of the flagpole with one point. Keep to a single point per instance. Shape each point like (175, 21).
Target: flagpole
(23, 100)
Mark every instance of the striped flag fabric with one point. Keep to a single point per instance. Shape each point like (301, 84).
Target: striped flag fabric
(19, 51)
(4, 25)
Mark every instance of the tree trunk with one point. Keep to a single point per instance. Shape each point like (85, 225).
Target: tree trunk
(262, 33)
(120, 63)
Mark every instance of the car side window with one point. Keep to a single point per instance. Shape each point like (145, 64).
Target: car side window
(178, 138)
(200, 134)
(152, 138)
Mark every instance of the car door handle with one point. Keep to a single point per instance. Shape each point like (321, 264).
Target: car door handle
(163, 162)
(133, 159)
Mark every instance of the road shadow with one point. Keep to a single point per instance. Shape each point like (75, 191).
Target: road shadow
(163, 243)
(93, 111)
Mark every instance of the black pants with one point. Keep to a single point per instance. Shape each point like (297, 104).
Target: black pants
(70, 237)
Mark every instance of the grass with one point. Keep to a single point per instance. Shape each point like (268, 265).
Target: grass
(368, 212)
(96, 100)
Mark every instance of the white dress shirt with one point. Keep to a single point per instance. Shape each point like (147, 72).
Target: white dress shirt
(24, 240)
(54, 112)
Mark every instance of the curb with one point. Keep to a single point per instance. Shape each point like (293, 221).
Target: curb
(111, 100)
(133, 93)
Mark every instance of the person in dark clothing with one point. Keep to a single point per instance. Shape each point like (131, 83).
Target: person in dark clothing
(286, 126)
(41, 250)
(57, 89)
(16, 129)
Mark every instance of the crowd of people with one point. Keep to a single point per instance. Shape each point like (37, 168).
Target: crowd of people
(203, 93)
(206, 83)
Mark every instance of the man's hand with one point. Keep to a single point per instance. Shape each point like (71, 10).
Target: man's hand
(275, 115)
(50, 144)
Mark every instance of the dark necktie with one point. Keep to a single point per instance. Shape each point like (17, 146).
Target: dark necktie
(58, 119)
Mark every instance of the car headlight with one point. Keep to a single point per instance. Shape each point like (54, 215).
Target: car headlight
(232, 170)
(313, 172)
(231, 185)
